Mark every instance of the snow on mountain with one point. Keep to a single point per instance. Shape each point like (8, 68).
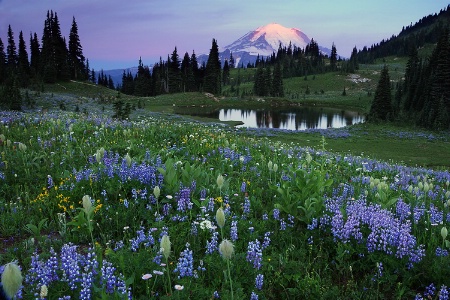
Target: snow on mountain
(263, 41)
(266, 39)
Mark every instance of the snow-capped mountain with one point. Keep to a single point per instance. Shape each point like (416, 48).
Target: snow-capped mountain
(265, 41)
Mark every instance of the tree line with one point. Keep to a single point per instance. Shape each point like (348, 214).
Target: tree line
(426, 31)
(51, 59)
(424, 94)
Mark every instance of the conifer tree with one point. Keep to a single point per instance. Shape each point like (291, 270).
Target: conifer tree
(226, 73)
(2, 62)
(333, 58)
(175, 80)
(212, 81)
(277, 82)
(381, 108)
(353, 64)
(11, 52)
(187, 74)
(232, 62)
(35, 54)
(23, 64)
(76, 57)
(196, 72)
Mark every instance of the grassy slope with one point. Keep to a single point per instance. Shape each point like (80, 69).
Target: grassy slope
(377, 141)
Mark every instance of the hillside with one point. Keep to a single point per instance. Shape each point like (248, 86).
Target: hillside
(425, 31)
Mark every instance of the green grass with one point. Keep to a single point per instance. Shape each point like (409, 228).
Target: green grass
(387, 142)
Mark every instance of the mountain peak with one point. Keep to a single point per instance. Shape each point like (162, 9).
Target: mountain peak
(266, 39)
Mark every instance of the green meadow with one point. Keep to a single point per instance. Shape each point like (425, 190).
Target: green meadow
(169, 206)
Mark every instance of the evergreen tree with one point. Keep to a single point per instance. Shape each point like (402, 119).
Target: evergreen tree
(437, 98)
(127, 83)
(258, 86)
(23, 64)
(212, 81)
(11, 52)
(232, 62)
(277, 82)
(2, 62)
(76, 57)
(175, 80)
(267, 81)
(54, 64)
(35, 53)
(353, 64)
(61, 52)
(196, 72)
(333, 58)
(142, 82)
(381, 108)
(226, 73)
(412, 76)
(187, 74)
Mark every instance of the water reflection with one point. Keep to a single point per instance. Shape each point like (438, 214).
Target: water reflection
(292, 118)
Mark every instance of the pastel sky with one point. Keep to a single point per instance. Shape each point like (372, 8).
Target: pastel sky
(115, 33)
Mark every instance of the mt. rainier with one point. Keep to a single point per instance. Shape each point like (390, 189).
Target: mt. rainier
(265, 41)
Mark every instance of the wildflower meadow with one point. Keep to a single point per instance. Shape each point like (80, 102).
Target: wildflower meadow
(95, 208)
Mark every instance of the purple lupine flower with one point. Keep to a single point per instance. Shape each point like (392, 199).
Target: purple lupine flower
(253, 296)
(403, 210)
(259, 280)
(108, 279)
(184, 200)
(50, 183)
(234, 231)
(90, 270)
(443, 293)
(282, 225)
(185, 265)
(441, 252)
(246, 207)
(243, 187)
(276, 214)
(211, 204)
(212, 245)
(430, 291)
(266, 241)
(254, 254)
(70, 265)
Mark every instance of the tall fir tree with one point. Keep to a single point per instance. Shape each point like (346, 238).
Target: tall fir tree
(2, 62)
(333, 58)
(35, 53)
(226, 73)
(436, 111)
(11, 52)
(187, 74)
(212, 80)
(174, 73)
(277, 81)
(232, 62)
(381, 108)
(195, 70)
(76, 57)
(23, 64)
(61, 51)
